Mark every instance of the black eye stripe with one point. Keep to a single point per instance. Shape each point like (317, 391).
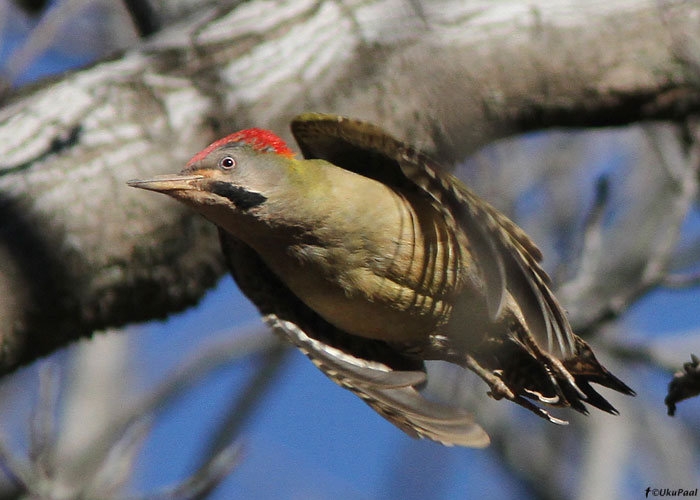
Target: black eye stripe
(240, 197)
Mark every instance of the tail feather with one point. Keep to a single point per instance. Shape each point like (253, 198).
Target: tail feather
(586, 365)
(594, 398)
(537, 376)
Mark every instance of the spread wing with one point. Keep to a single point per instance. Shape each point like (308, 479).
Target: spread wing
(385, 379)
(508, 258)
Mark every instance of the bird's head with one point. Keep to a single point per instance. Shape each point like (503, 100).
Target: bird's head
(235, 174)
(237, 182)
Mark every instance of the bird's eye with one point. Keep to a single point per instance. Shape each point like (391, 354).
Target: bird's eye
(227, 163)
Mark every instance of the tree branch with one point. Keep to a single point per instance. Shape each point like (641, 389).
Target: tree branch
(79, 251)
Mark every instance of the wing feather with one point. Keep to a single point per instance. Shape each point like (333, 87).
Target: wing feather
(508, 258)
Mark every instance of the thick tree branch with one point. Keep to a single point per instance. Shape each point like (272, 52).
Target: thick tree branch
(79, 251)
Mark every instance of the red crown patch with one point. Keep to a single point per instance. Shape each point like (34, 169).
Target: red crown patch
(260, 140)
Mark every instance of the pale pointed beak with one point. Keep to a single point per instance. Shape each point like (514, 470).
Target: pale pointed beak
(164, 183)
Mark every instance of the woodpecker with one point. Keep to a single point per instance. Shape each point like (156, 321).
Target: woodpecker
(372, 259)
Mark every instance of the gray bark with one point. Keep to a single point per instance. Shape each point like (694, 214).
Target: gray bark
(79, 251)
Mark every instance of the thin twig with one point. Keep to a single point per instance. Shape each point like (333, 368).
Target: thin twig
(41, 37)
(684, 385)
(591, 251)
(658, 262)
(592, 241)
(41, 434)
(17, 472)
(204, 480)
(143, 16)
(243, 406)
(115, 470)
(681, 280)
(217, 354)
(635, 353)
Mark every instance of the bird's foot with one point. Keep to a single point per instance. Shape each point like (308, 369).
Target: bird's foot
(500, 390)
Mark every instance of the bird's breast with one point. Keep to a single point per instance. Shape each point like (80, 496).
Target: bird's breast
(390, 271)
